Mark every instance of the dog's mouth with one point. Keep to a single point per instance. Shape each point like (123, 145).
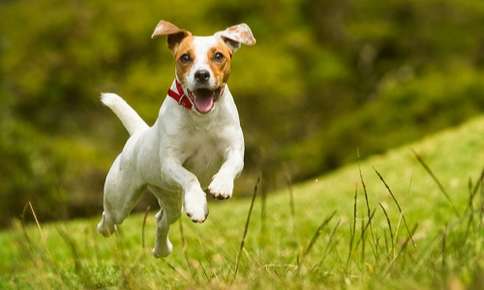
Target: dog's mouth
(204, 99)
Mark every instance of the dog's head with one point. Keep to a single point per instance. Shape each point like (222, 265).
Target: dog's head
(203, 62)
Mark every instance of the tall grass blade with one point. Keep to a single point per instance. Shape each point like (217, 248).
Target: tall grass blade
(292, 208)
(436, 180)
(246, 229)
(353, 229)
(315, 237)
(144, 226)
(182, 274)
(389, 223)
(397, 204)
(204, 270)
(481, 210)
(444, 252)
(402, 249)
(364, 228)
(368, 209)
(328, 246)
(478, 183)
(263, 206)
(473, 189)
(364, 185)
(37, 223)
(185, 249)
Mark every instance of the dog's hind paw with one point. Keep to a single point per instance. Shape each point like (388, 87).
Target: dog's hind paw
(161, 252)
(105, 227)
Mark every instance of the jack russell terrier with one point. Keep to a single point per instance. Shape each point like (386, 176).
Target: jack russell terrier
(196, 140)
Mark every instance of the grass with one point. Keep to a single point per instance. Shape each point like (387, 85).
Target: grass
(408, 219)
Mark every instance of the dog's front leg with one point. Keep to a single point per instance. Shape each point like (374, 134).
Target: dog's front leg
(194, 199)
(222, 183)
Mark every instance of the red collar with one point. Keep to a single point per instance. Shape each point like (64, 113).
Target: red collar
(179, 96)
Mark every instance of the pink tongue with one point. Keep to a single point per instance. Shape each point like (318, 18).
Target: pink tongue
(204, 105)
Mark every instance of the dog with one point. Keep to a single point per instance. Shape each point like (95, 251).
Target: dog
(195, 143)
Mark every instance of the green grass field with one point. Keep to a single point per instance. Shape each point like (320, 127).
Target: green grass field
(321, 240)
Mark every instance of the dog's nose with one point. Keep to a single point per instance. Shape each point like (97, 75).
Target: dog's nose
(202, 75)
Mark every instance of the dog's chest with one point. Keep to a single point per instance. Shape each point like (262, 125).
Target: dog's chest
(204, 155)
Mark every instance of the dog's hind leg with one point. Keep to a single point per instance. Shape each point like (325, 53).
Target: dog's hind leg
(122, 190)
(163, 246)
(170, 210)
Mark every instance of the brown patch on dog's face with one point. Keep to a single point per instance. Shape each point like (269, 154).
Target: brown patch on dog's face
(219, 58)
(185, 56)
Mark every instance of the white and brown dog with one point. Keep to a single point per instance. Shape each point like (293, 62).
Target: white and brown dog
(196, 141)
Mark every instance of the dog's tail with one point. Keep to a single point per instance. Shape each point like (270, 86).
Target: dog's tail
(128, 116)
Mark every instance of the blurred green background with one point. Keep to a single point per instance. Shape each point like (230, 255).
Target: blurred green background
(326, 78)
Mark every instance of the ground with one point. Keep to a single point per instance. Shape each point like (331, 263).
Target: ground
(427, 236)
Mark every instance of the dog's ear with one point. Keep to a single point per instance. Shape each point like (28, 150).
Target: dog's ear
(236, 35)
(174, 34)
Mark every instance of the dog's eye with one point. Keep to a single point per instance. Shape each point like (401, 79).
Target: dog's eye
(185, 58)
(218, 56)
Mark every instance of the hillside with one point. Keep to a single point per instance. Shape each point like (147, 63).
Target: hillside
(445, 248)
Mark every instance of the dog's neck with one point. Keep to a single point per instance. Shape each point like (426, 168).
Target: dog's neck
(180, 95)
(174, 87)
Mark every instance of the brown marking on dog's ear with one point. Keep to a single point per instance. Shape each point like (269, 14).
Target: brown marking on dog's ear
(220, 69)
(236, 35)
(174, 34)
(185, 47)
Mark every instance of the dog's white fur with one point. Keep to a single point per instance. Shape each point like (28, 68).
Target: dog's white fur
(176, 158)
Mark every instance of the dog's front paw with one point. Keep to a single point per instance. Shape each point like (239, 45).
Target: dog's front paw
(195, 205)
(221, 187)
